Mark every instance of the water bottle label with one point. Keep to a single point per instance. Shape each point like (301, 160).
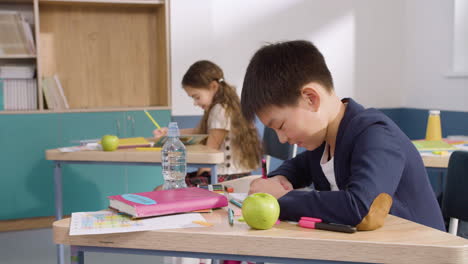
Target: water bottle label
(138, 199)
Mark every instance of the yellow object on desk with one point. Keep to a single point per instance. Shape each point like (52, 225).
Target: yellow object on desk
(443, 152)
(203, 223)
(152, 119)
(433, 145)
(434, 129)
(149, 149)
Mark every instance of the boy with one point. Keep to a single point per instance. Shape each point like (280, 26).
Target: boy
(353, 154)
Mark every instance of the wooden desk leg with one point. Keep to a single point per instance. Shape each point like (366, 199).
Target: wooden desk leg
(76, 255)
(214, 174)
(58, 190)
(58, 206)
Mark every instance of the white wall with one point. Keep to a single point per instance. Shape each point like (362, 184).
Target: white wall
(383, 53)
(429, 32)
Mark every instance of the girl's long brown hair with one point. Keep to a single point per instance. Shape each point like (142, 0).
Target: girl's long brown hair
(246, 143)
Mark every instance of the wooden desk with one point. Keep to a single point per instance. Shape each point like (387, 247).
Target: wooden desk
(436, 161)
(198, 156)
(399, 241)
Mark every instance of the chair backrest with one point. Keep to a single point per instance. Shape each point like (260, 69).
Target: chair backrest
(455, 200)
(272, 147)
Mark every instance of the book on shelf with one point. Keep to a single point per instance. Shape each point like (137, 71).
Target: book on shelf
(18, 94)
(1, 96)
(17, 71)
(54, 94)
(165, 202)
(17, 37)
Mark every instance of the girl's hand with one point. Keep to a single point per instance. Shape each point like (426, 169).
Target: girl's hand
(157, 133)
(272, 186)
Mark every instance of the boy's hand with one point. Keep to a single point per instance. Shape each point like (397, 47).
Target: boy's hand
(276, 186)
(283, 181)
(157, 133)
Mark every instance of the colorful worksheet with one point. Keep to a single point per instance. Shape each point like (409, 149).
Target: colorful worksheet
(104, 222)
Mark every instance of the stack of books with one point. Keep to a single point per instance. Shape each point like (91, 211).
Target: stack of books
(17, 71)
(17, 38)
(155, 203)
(18, 94)
(18, 89)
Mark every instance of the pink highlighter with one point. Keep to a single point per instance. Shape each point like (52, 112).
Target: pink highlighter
(316, 223)
(264, 173)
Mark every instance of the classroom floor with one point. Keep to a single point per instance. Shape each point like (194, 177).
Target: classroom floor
(36, 246)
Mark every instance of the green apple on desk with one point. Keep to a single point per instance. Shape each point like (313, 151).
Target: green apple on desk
(260, 210)
(109, 142)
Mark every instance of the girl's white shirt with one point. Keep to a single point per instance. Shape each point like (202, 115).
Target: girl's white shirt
(218, 119)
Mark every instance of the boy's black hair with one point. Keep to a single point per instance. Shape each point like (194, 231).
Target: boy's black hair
(277, 72)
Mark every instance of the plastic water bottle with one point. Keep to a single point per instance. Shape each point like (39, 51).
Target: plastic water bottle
(174, 165)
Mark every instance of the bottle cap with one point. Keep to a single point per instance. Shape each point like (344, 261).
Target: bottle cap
(173, 130)
(434, 112)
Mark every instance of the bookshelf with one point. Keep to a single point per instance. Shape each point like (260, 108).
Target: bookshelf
(18, 81)
(108, 55)
(112, 59)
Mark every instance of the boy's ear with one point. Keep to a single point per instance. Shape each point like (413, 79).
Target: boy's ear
(310, 94)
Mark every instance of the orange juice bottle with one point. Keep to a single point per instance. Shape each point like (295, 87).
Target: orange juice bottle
(434, 129)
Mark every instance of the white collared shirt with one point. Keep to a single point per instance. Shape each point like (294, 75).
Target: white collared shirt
(328, 168)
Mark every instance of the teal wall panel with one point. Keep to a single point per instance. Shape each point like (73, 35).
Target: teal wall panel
(26, 178)
(85, 187)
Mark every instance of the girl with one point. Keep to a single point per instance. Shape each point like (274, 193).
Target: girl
(225, 125)
(222, 120)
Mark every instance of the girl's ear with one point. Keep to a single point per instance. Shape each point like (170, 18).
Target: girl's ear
(214, 86)
(310, 94)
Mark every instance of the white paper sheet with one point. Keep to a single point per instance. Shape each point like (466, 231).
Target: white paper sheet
(238, 196)
(104, 222)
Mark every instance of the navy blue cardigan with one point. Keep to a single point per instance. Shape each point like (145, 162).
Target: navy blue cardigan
(372, 156)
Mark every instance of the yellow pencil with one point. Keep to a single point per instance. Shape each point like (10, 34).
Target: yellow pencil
(152, 119)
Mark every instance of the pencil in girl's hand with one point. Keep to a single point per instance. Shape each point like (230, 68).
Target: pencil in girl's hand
(152, 119)
(264, 174)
